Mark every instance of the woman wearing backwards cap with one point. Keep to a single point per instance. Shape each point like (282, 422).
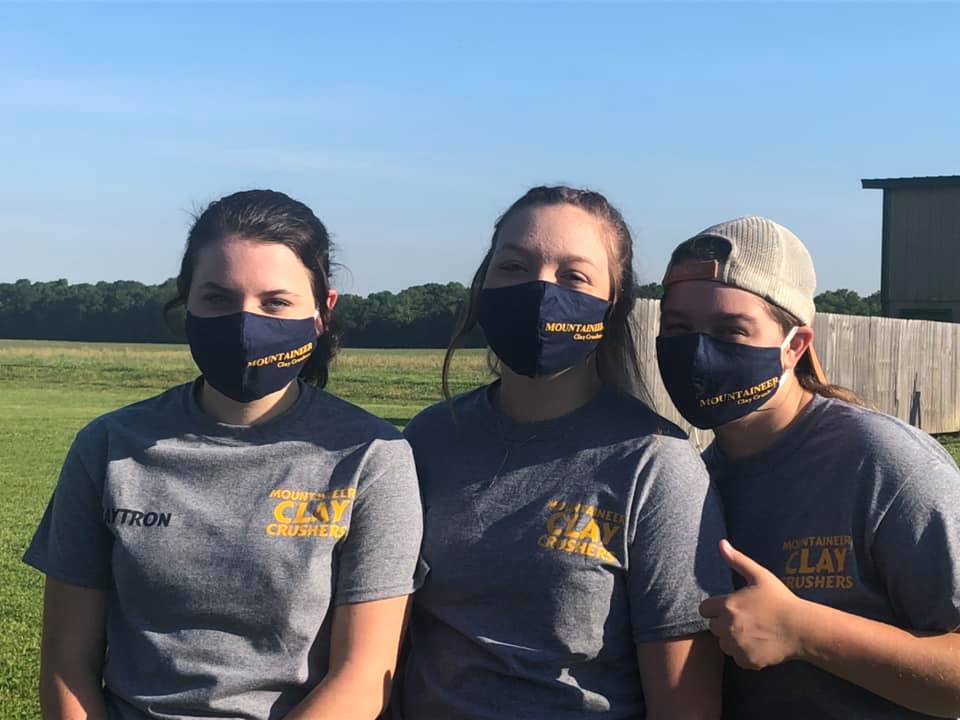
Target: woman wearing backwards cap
(844, 519)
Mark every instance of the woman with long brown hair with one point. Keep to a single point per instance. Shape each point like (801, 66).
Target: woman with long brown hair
(570, 531)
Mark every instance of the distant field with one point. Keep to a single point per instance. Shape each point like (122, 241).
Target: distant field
(49, 390)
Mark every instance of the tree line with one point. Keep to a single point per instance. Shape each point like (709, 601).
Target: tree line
(422, 316)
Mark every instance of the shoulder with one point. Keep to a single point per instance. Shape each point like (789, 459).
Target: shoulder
(880, 439)
(149, 414)
(443, 417)
(896, 464)
(663, 457)
(378, 448)
(350, 422)
(627, 419)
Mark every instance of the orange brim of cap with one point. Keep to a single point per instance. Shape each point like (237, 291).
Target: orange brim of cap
(815, 365)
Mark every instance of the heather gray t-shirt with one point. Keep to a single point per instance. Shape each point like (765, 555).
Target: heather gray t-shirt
(554, 548)
(852, 509)
(224, 549)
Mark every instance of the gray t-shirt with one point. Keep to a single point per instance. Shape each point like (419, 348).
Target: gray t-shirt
(852, 509)
(554, 548)
(224, 548)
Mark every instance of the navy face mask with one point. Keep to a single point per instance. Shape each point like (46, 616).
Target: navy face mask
(247, 356)
(541, 328)
(713, 382)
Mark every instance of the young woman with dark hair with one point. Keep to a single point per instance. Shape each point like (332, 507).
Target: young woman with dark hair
(570, 532)
(243, 545)
(845, 520)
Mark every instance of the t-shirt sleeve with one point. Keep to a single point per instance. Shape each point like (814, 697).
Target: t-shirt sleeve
(72, 543)
(674, 557)
(916, 548)
(380, 555)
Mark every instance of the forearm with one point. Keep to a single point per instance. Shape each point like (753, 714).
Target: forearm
(71, 695)
(916, 671)
(348, 694)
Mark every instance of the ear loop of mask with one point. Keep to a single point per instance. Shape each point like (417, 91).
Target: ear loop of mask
(783, 346)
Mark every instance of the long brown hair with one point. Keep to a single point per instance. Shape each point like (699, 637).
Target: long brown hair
(715, 248)
(617, 363)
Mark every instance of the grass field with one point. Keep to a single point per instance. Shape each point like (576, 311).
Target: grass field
(49, 390)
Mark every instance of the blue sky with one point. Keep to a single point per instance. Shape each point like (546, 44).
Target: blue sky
(409, 128)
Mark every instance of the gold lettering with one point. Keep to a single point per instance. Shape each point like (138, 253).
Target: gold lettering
(609, 531)
(591, 531)
(791, 567)
(825, 563)
(840, 554)
(553, 523)
(279, 510)
(321, 512)
(339, 506)
(303, 515)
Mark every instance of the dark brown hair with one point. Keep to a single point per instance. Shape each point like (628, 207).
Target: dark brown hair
(617, 363)
(716, 248)
(268, 216)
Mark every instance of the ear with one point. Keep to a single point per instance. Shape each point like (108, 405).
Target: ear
(802, 339)
(332, 297)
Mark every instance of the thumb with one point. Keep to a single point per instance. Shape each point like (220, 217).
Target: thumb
(753, 572)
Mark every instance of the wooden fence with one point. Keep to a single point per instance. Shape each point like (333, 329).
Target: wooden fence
(906, 368)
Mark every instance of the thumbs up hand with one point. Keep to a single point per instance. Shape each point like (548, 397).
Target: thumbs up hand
(760, 624)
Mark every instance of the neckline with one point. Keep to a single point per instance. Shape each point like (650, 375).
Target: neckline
(523, 432)
(210, 427)
(791, 441)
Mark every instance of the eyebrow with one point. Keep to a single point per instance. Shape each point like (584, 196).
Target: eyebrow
(229, 291)
(734, 317)
(674, 314)
(513, 247)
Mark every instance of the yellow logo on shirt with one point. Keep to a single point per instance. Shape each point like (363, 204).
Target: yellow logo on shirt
(581, 529)
(818, 562)
(301, 513)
